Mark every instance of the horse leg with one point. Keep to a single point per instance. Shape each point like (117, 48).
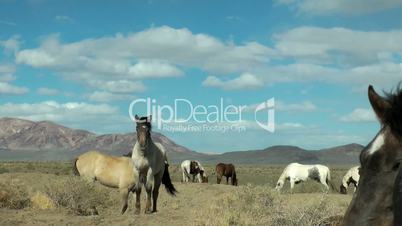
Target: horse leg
(292, 184)
(218, 179)
(227, 180)
(148, 188)
(138, 199)
(324, 182)
(155, 192)
(124, 192)
(185, 177)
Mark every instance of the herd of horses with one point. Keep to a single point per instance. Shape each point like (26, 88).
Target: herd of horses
(377, 199)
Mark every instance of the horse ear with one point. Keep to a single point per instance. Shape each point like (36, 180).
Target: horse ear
(137, 118)
(379, 104)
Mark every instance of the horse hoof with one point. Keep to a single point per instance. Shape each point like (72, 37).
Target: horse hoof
(148, 211)
(137, 212)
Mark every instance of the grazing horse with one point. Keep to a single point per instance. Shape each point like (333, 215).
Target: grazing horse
(227, 170)
(195, 169)
(378, 199)
(115, 172)
(351, 177)
(297, 173)
(151, 165)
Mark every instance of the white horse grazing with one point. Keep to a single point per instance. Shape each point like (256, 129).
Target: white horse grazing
(297, 173)
(195, 169)
(351, 177)
(151, 164)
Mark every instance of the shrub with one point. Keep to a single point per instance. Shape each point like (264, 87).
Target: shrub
(13, 196)
(42, 201)
(80, 196)
(4, 170)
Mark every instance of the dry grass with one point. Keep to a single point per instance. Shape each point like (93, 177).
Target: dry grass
(80, 196)
(260, 205)
(57, 168)
(47, 198)
(13, 196)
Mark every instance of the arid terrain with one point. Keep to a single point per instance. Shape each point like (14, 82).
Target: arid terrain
(48, 194)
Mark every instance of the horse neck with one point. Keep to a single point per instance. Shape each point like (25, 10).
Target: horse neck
(283, 176)
(137, 152)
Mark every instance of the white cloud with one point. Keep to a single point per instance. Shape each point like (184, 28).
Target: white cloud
(7, 78)
(100, 96)
(243, 82)
(6, 88)
(155, 52)
(359, 115)
(234, 18)
(305, 106)
(119, 86)
(331, 55)
(10, 45)
(341, 6)
(383, 75)
(6, 72)
(63, 19)
(338, 45)
(9, 23)
(144, 69)
(47, 91)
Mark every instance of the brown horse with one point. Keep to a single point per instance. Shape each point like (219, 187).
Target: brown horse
(227, 170)
(111, 171)
(378, 198)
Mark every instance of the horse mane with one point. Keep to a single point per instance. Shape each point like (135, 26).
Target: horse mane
(393, 116)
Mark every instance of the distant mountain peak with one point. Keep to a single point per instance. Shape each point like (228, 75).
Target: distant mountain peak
(20, 134)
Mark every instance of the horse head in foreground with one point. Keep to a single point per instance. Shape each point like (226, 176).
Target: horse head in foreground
(151, 166)
(351, 177)
(297, 173)
(378, 199)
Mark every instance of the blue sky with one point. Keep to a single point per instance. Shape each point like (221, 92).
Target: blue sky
(81, 63)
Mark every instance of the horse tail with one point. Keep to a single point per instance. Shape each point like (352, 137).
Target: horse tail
(75, 169)
(167, 181)
(234, 178)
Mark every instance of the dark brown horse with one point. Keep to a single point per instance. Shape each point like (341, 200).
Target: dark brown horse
(378, 198)
(227, 170)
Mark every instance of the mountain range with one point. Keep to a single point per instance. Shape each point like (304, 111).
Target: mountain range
(22, 139)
